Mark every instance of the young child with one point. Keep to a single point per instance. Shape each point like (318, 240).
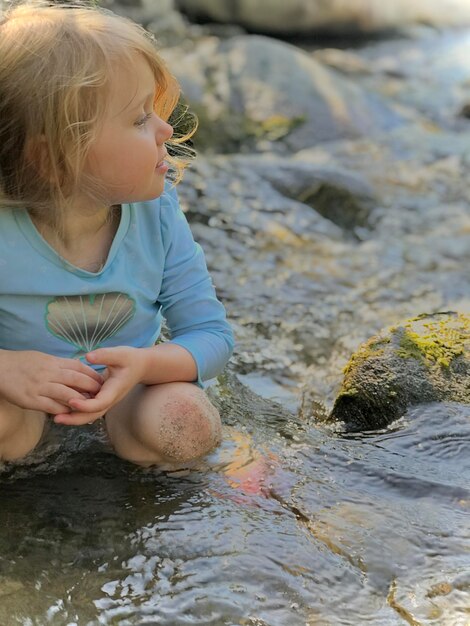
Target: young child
(94, 248)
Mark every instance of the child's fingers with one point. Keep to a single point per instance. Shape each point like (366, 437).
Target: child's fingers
(108, 395)
(76, 418)
(78, 366)
(77, 380)
(48, 405)
(89, 405)
(61, 393)
(108, 356)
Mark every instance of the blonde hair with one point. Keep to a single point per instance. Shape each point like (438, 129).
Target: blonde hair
(56, 65)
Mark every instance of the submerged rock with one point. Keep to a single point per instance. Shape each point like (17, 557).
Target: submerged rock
(425, 359)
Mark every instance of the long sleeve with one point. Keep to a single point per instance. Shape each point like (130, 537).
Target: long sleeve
(195, 317)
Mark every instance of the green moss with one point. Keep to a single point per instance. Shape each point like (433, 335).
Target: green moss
(372, 348)
(276, 127)
(349, 391)
(231, 131)
(441, 341)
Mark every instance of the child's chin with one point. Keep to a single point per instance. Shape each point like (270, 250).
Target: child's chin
(156, 192)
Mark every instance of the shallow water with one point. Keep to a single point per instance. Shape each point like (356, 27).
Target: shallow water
(285, 524)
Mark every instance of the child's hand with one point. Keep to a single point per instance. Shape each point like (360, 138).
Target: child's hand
(38, 381)
(125, 369)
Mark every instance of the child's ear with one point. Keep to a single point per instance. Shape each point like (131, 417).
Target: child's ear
(37, 155)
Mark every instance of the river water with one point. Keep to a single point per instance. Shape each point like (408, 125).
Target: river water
(289, 523)
(286, 524)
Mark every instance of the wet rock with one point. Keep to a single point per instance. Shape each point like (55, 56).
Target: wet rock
(336, 16)
(252, 92)
(344, 198)
(425, 359)
(9, 586)
(251, 206)
(343, 61)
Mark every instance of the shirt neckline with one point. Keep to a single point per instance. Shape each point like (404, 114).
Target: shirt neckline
(29, 230)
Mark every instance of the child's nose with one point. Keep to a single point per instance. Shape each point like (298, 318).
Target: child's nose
(164, 131)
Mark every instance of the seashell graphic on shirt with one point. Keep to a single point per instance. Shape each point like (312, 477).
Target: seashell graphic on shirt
(87, 321)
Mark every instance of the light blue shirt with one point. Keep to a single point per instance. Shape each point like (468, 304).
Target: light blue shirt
(154, 269)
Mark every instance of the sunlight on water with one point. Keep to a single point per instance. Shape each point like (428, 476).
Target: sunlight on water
(284, 524)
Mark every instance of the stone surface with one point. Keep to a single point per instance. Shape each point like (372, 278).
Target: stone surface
(426, 359)
(335, 16)
(159, 18)
(252, 92)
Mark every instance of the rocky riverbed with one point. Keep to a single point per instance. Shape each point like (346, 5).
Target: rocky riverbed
(331, 197)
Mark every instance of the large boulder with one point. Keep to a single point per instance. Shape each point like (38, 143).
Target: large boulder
(334, 16)
(160, 18)
(251, 92)
(425, 359)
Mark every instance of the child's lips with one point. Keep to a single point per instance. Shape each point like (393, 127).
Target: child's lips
(162, 161)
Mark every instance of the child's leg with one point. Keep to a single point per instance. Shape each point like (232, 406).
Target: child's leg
(20, 430)
(168, 425)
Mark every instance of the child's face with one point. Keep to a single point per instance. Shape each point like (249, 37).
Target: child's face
(128, 153)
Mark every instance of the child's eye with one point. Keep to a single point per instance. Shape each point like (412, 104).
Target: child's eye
(142, 121)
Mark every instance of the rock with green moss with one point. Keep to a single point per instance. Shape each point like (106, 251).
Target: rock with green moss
(425, 359)
(253, 94)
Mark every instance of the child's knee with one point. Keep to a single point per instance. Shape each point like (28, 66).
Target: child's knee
(188, 425)
(191, 426)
